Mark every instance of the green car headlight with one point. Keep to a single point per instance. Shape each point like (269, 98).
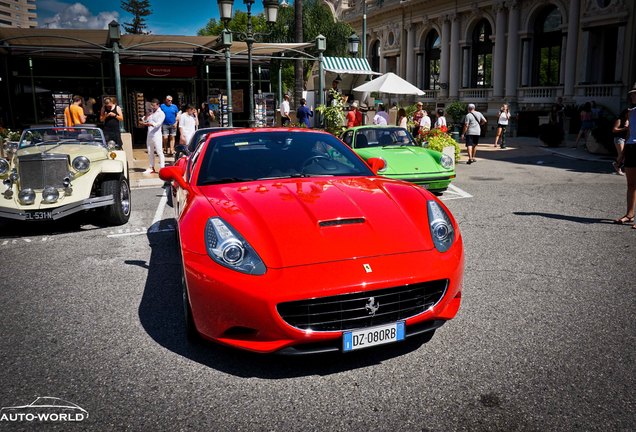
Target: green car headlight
(446, 161)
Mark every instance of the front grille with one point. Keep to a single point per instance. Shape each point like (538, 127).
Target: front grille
(38, 171)
(354, 311)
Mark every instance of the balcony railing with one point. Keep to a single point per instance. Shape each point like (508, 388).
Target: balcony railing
(475, 94)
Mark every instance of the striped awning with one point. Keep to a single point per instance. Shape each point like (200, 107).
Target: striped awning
(348, 65)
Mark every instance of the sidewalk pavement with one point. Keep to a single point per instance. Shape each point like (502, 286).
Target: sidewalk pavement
(569, 150)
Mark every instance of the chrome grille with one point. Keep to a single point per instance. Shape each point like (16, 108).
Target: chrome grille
(353, 311)
(38, 171)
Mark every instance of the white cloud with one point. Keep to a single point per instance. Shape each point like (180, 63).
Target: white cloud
(77, 16)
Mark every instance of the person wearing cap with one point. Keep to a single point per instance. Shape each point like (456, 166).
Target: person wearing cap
(472, 130)
(284, 111)
(169, 126)
(354, 116)
(629, 162)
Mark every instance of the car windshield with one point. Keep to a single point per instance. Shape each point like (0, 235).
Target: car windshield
(61, 136)
(383, 137)
(259, 155)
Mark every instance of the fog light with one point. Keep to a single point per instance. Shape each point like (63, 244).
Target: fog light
(50, 195)
(26, 196)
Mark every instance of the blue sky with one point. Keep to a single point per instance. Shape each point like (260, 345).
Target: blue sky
(168, 16)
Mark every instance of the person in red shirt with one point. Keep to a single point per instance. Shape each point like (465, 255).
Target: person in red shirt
(354, 116)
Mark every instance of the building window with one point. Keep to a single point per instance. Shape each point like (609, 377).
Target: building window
(547, 53)
(432, 48)
(481, 71)
(375, 56)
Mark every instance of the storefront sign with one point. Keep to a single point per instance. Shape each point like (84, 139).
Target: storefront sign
(158, 71)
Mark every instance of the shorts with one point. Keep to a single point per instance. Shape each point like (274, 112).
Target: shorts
(168, 130)
(619, 141)
(472, 140)
(629, 156)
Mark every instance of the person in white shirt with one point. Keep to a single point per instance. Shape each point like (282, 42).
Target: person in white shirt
(381, 117)
(440, 123)
(502, 124)
(154, 139)
(284, 111)
(188, 124)
(425, 123)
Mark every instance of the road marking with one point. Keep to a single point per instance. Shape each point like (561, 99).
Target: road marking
(154, 226)
(453, 192)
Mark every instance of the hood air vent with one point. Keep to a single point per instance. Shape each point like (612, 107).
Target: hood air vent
(338, 222)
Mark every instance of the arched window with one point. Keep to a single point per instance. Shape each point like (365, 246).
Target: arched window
(432, 48)
(547, 48)
(481, 71)
(375, 56)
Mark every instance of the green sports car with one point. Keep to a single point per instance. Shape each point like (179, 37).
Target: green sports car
(403, 158)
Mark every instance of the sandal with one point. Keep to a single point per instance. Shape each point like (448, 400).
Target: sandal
(625, 219)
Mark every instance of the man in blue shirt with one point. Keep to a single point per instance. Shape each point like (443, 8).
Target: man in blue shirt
(169, 126)
(303, 113)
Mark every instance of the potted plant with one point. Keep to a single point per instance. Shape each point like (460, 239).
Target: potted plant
(435, 139)
(333, 115)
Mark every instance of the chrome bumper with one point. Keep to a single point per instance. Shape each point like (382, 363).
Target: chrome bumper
(58, 212)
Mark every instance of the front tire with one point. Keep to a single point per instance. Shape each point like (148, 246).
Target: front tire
(191, 330)
(119, 212)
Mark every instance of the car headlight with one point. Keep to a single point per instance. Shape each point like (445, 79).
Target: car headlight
(441, 227)
(81, 164)
(4, 166)
(228, 248)
(446, 161)
(386, 166)
(26, 196)
(50, 195)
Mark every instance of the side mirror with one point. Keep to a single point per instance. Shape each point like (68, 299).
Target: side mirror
(376, 164)
(174, 173)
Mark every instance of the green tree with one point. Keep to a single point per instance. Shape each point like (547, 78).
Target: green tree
(139, 9)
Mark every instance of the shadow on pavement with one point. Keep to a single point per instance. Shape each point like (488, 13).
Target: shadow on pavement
(577, 219)
(81, 221)
(161, 315)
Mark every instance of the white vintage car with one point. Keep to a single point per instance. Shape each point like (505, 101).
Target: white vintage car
(53, 172)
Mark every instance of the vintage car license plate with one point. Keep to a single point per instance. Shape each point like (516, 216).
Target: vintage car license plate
(39, 215)
(372, 336)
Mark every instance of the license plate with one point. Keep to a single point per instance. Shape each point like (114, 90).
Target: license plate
(39, 215)
(372, 336)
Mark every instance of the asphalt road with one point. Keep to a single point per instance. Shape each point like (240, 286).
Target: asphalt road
(544, 340)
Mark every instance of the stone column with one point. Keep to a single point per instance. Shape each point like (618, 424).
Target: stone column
(570, 54)
(499, 66)
(410, 54)
(453, 85)
(512, 66)
(444, 56)
(525, 62)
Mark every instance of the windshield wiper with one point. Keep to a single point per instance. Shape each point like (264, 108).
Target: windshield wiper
(225, 180)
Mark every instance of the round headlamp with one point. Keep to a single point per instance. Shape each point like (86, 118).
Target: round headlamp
(4, 166)
(26, 196)
(50, 195)
(446, 161)
(81, 164)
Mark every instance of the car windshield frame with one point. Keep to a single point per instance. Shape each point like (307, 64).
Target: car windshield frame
(375, 136)
(56, 136)
(269, 155)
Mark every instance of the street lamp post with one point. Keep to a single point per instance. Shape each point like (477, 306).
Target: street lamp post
(321, 46)
(353, 44)
(226, 43)
(271, 12)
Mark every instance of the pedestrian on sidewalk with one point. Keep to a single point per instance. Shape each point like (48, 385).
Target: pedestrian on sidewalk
(169, 127)
(354, 116)
(188, 124)
(502, 124)
(417, 118)
(620, 132)
(74, 113)
(629, 163)
(440, 123)
(586, 123)
(154, 121)
(472, 130)
(284, 111)
(381, 117)
(110, 115)
(401, 118)
(303, 113)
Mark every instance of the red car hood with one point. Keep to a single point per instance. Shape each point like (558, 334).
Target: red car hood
(311, 220)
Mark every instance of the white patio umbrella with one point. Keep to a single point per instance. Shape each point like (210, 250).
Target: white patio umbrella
(390, 83)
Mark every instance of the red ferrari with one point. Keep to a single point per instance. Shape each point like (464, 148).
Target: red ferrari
(291, 243)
